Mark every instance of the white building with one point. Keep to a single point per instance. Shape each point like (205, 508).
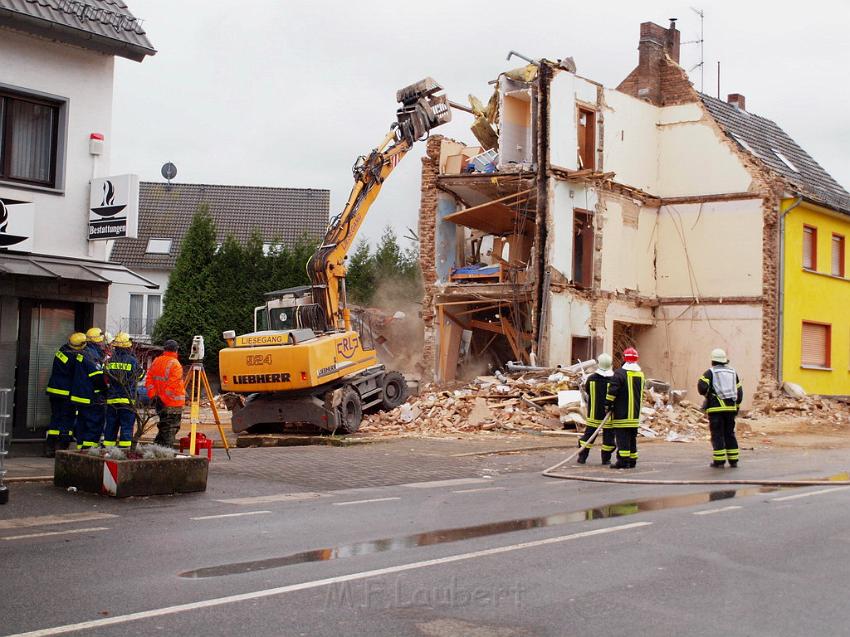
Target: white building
(56, 83)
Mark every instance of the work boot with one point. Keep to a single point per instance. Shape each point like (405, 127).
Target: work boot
(50, 447)
(717, 464)
(733, 463)
(606, 457)
(632, 463)
(582, 456)
(621, 464)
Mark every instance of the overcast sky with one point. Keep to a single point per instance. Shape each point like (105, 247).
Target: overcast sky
(285, 93)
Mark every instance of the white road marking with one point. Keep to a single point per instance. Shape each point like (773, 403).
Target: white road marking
(807, 494)
(291, 588)
(48, 520)
(445, 483)
(342, 504)
(720, 510)
(276, 497)
(49, 533)
(229, 515)
(480, 490)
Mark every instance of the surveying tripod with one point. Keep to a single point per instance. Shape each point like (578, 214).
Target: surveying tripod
(195, 380)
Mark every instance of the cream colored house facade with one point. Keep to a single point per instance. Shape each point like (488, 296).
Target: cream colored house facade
(637, 215)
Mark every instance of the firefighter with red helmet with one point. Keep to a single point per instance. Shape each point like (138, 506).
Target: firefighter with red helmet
(624, 399)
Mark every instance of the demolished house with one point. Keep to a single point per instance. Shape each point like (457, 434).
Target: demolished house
(588, 219)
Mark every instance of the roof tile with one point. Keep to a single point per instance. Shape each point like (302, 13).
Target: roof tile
(765, 138)
(166, 211)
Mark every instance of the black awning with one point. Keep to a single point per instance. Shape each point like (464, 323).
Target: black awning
(72, 269)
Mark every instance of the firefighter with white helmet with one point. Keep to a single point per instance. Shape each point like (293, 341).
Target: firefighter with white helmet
(723, 393)
(595, 390)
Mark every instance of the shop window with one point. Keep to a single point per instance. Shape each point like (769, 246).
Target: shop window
(810, 248)
(586, 139)
(29, 139)
(582, 249)
(816, 342)
(837, 255)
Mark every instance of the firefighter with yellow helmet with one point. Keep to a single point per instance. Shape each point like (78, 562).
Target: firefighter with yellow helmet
(62, 412)
(123, 373)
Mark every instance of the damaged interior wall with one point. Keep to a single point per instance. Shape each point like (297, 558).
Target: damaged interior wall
(677, 348)
(710, 249)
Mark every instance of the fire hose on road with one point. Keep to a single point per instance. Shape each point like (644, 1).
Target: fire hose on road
(551, 473)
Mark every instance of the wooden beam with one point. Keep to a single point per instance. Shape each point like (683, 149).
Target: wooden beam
(490, 327)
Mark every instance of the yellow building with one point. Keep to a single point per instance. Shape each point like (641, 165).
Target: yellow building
(815, 319)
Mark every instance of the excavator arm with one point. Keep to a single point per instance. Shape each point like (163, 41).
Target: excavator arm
(421, 110)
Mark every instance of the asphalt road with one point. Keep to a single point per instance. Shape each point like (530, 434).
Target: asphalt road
(500, 551)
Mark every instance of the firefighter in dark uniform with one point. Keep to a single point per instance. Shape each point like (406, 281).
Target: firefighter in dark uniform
(88, 389)
(723, 393)
(62, 411)
(624, 399)
(123, 373)
(595, 390)
(95, 346)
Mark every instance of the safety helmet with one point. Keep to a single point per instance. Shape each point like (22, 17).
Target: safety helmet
(94, 335)
(630, 355)
(719, 356)
(604, 362)
(122, 339)
(77, 340)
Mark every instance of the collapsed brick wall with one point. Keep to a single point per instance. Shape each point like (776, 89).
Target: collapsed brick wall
(427, 250)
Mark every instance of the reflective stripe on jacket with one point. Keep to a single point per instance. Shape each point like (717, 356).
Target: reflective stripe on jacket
(596, 389)
(123, 371)
(165, 380)
(63, 371)
(706, 386)
(625, 396)
(89, 383)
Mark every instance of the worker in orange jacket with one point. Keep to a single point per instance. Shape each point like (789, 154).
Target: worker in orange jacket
(164, 383)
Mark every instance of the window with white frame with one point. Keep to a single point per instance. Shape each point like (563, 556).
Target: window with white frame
(159, 246)
(30, 129)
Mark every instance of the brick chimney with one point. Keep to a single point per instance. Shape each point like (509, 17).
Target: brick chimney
(737, 100)
(656, 42)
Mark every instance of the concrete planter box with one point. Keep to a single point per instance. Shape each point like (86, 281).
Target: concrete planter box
(124, 478)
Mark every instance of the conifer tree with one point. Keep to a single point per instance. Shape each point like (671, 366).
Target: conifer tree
(188, 297)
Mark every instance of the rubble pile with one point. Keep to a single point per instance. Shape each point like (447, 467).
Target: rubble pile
(530, 401)
(526, 402)
(790, 401)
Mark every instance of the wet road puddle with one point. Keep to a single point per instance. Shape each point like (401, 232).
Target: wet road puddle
(443, 536)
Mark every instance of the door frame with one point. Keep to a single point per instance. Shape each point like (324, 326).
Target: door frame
(83, 313)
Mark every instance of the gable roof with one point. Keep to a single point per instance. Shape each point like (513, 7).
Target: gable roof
(166, 211)
(107, 26)
(764, 139)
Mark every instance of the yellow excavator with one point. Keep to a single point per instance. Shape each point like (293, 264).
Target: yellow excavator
(305, 362)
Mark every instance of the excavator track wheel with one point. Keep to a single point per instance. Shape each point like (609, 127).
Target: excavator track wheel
(394, 390)
(350, 411)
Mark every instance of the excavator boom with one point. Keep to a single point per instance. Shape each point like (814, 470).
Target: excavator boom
(307, 364)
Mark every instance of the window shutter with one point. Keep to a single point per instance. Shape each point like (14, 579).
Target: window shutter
(808, 248)
(837, 256)
(815, 340)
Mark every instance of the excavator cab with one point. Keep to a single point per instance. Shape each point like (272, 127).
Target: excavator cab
(290, 309)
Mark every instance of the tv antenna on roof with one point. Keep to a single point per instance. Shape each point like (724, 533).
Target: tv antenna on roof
(701, 64)
(168, 171)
